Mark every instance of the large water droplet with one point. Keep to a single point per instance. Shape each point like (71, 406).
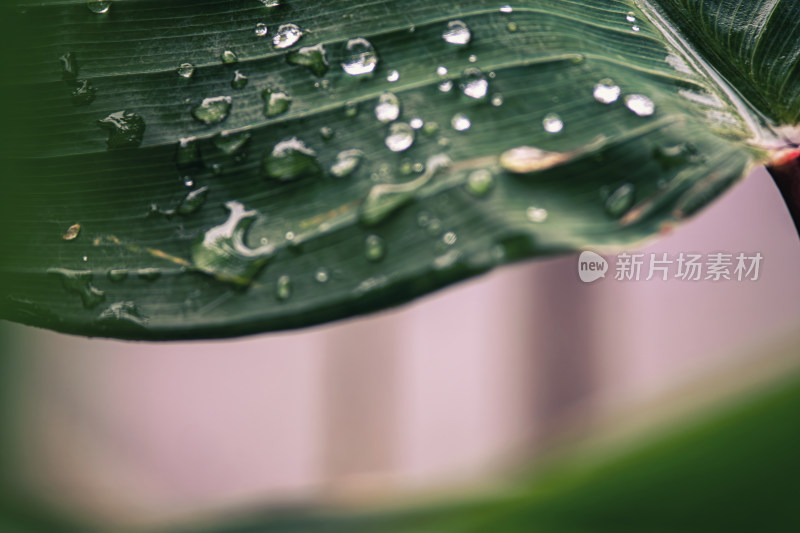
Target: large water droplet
(620, 201)
(388, 108)
(314, 58)
(640, 104)
(213, 110)
(185, 70)
(606, 92)
(79, 282)
(283, 288)
(291, 159)
(223, 253)
(527, 159)
(460, 122)
(480, 182)
(231, 142)
(125, 129)
(457, 32)
(287, 35)
(193, 201)
(400, 137)
(275, 102)
(83, 93)
(474, 84)
(359, 57)
(346, 162)
(98, 6)
(374, 248)
(552, 123)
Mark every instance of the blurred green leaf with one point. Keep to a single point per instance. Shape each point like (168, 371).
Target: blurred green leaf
(508, 134)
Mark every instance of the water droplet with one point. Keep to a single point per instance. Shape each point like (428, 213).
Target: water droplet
(640, 104)
(473, 58)
(98, 6)
(275, 102)
(635, 28)
(213, 110)
(72, 232)
(231, 142)
(441, 70)
(229, 57)
(346, 162)
(283, 288)
(327, 133)
(185, 70)
(117, 274)
(261, 29)
(457, 32)
(187, 153)
(125, 129)
(69, 67)
(374, 248)
(223, 253)
(552, 123)
(527, 159)
(474, 84)
(416, 123)
(460, 122)
(449, 238)
(388, 107)
(193, 201)
(497, 100)
(239, 80)
(630, 17)
(314, 58)
(400, 138)
(84, 93)
(287, 35)
(506, 9)
(122, 313)
(322, 275)
(149, 274)
(536, 214)
(512, 27)
(620, 201)
(430, 128)
(480, 182)
(350, 109)
(675, 156)
(85, 258)
(393, 76)
(360, 57)
(446, 86)
(79, 282)
(291, 159)
(271, 3)
(606, 92)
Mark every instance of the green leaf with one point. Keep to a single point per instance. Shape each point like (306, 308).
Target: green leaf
(358, 155)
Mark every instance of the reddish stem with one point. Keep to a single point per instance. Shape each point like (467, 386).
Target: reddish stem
(785, 170)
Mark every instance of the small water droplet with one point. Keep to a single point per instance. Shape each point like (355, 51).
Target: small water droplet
(457, 32)
(441, 70)
(474, 84)
(188, 181)
(261, 30)
(388, 107)
(327, 133)
(393, 76)
(374, 248)
(640, 104)
(350, 109)
(536, 214)
(497, 100)
(72, 232)
(416, 123)
(229, 57)
(271, 3)
(606, 92)
(635, 28)
(79, 282)
(322, 275)
(117, 274)
(149, 274)
(473, 58)
(193, 201)
(187, 153)
(275, 102)
(446, 86)
(231, 142)
(460, 122)
(98, 6)
(506, 9)
(480, 182)
(84, 93)
(512, 27)
(69, 67)
(360, 57)
(213, 110)
(287, 35)
(125, 129)
(346, 162)
(291, 159)
(239, 80)
(430, 128)
(85, 258)
(283, 288)
(400, 138)
(552, 123)
(630, 17)
(314, 58)
(185, 70)
(449, 238)
(620, 201)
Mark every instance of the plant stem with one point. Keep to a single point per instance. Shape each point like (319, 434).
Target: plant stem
(785, 170)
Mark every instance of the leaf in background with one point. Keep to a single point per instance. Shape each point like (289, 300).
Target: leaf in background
(352, 156)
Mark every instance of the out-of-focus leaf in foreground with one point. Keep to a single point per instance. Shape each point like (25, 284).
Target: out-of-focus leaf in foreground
(214, 168)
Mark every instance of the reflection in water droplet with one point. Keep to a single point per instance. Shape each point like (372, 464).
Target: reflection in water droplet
(322, 275)
(552, 123)
(400, 138)
(640, 104)
(291, 159)
(98, 6)
(359, 57)
(72, 232)
(213, 110)
(283, 288)
(374, 248)
(229, 57)
(231, 142)
(536, 214)
(223, 253)
(185, 70)
(314, 58)
(261, 30)
(620, 201)
(388, 107)
(460, 122)
(480, 182)
(275, 102)
(457, 32)
(79, 282)
(117, 274)
(346, 162)
(287, 35)
(84, 93)
(193, 201)
(606, 91)
(473, 83)
(125, 129)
